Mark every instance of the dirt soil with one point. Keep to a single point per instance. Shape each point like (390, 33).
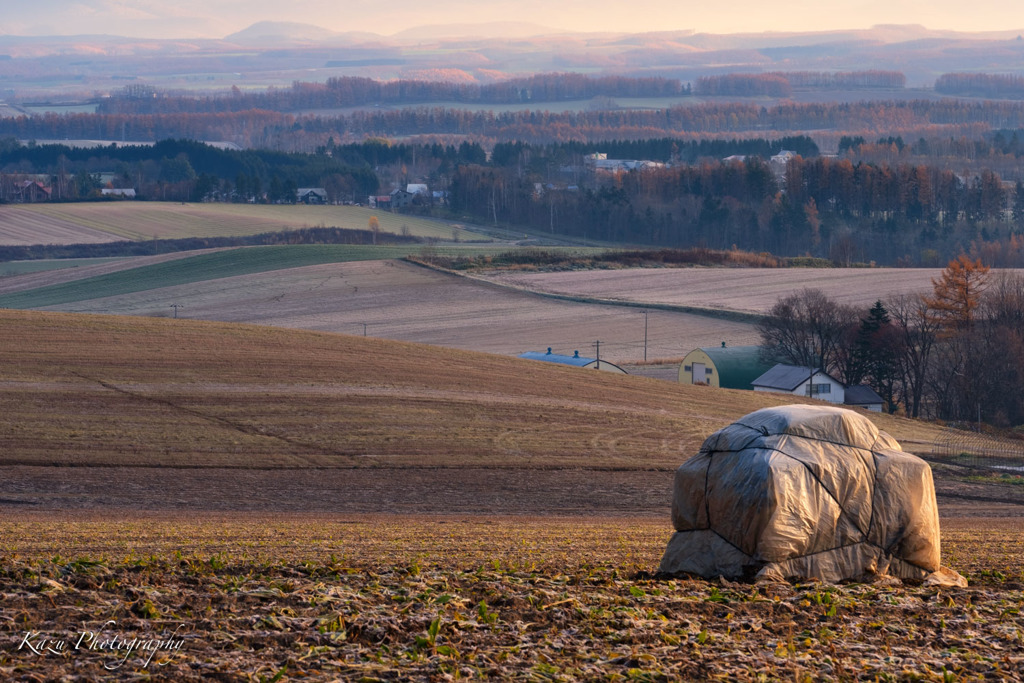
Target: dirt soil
(403, 491)
(421, 598)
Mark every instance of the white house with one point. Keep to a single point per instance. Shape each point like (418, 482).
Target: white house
(794, 379)
(801, 381)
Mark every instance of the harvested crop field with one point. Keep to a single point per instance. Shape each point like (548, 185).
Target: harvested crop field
(425, 599)
(89, 222)
(187, 500)
(746, 290)
(115, 390)
(401, 301)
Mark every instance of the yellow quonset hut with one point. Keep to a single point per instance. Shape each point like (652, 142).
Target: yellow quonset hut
(729, 367)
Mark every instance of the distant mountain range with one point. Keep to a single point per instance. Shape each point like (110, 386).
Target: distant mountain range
(275, 32)
(883, 33)
(294, 32)
(278, 53)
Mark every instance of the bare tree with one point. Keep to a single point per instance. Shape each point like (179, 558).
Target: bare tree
(806, 328)
(916, 331)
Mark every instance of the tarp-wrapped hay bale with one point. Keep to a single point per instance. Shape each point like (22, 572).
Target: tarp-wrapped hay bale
(805, 492)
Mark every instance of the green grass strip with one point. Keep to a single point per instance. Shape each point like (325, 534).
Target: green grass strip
(210, 266)
(219, 264)
(9, 268)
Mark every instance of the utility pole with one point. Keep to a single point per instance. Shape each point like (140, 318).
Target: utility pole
(645, 336)
(364, 329)
(176, 307)
(598, 345)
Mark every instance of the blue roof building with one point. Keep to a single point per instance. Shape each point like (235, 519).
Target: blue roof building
(576, 359)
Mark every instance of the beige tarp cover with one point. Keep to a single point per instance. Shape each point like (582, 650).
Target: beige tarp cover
(805, 492)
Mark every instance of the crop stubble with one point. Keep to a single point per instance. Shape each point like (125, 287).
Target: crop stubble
(413, 598)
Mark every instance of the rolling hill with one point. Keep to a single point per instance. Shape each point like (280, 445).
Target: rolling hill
(111, 390)
(383, 298)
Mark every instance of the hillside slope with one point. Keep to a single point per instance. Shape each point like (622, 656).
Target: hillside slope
(107, 390)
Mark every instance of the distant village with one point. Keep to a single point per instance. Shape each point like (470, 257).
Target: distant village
(36, 188)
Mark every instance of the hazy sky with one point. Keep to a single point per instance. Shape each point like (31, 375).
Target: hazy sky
(217, 18)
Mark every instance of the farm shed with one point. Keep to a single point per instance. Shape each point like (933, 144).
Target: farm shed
(729, 367)
(863, 396)
(793, 379)
(576, 359)
(805, 492)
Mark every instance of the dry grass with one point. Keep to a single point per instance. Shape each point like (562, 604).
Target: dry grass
(118, 390)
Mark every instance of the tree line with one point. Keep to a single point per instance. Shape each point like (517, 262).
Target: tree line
(781, 83)
(257, 128)
(981, 85)
(190, 170)
(352, 91)
(824, 207)
(951, 354)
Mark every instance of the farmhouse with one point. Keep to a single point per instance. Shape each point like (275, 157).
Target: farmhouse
(728, 367)
(400, 198)
(576, 359)
(800, 381)
(311, 195)
(793, 379)
(32, 191)
(600, 163)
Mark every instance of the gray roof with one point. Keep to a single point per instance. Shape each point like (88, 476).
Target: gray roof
(862, 394)
(786, 377)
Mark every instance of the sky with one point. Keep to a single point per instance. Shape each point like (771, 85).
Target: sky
(218, 18)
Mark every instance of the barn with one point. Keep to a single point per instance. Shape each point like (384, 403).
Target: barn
(728, 367)
(576, 360)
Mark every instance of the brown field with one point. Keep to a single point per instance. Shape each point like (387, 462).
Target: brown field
(746, 290)
(127, 220)
(106, 390)
(374, 598)
(313, 506)
(401, 301)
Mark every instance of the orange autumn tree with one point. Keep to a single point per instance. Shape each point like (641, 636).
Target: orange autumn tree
(957, 293)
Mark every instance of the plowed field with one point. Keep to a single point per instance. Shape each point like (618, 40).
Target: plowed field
(747, 290)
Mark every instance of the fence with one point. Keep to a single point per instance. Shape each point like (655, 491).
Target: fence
(974, 449)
